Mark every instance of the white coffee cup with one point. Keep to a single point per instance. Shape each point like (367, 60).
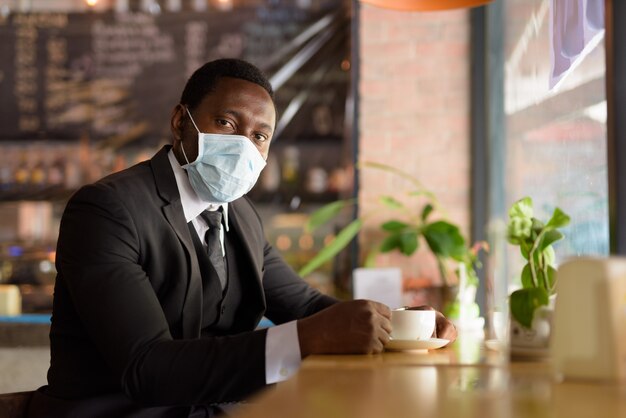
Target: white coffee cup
(412, 325)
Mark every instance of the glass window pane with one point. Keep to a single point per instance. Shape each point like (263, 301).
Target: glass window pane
(555, 140)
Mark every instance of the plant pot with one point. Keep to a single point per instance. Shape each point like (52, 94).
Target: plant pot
(444, 296)
(533, 342)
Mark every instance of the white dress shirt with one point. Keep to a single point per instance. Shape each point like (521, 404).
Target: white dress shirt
(282, 349)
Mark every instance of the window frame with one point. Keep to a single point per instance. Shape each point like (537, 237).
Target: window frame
(615, 42)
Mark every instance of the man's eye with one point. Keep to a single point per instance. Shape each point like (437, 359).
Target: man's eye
(260, 137)
(223, 122)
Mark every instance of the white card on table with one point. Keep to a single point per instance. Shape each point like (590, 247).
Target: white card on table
(382, 285)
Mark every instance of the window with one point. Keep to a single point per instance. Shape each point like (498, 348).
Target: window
(553, 143)
(555, 140)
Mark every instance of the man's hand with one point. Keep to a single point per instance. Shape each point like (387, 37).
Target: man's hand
(354, 327)
(444, 328)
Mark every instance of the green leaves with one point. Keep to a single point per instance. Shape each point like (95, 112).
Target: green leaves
(527, 278)
(405, 242)
(402, 238)
(426, 211)
(535, 240)
(393, 226)
(524, 302)
(519, 230)
(445, 240)
(523, 208)
(342, 239)
(549, 238)
(326, 213)
(559, 219)
(520, 221)
(551, 279)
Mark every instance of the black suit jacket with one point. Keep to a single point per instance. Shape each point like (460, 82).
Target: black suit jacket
(127, 304)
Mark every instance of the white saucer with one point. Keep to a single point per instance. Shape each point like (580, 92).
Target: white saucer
(430, 344)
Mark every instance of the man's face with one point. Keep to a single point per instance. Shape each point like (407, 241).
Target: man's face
(236, 107)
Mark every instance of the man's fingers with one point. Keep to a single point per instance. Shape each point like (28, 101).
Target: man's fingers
(385, 324)
(382, 309)
(447, 332)
(383, 339)
(445, 329)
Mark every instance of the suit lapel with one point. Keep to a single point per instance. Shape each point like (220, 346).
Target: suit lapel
(173, 212)
(245, 221)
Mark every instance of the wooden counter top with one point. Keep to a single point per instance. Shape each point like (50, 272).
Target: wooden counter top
(441, 383)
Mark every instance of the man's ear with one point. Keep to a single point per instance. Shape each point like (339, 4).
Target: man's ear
(176, 122)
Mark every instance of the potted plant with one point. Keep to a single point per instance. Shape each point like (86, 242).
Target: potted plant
(404, 233)
(531, 306)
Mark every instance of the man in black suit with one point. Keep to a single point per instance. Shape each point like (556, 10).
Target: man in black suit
(164, 273)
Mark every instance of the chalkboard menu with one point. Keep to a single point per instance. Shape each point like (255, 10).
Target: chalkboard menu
(116, 77)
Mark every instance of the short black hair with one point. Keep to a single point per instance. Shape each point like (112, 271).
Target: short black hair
(204, 80)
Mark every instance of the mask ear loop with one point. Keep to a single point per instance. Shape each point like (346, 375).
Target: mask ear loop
(192, 121)
(182, 147)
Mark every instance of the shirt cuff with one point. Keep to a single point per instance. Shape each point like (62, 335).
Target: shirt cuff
(282, 352)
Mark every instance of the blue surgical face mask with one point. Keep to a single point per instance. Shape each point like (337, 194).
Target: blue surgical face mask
(226, 168)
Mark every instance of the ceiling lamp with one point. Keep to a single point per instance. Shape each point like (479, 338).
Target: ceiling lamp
(425, 5)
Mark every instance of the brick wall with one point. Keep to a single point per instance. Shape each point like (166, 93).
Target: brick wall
(414, 115)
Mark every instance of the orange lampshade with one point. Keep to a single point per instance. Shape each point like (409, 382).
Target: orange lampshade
(425, 5)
